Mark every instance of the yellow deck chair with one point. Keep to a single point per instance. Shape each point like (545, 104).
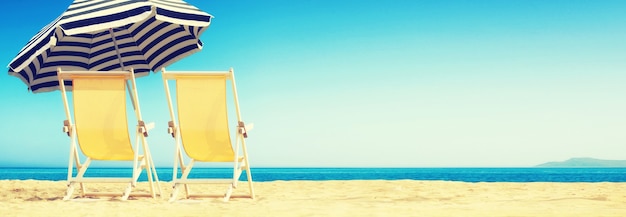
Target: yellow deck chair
(201, 128)
(101, 130)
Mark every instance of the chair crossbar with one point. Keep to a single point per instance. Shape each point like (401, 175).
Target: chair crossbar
(69, 75)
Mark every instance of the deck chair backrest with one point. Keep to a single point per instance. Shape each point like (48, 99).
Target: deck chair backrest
(203, 119)
(100, 117)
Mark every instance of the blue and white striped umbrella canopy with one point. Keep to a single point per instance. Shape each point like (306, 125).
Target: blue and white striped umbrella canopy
(148, 35)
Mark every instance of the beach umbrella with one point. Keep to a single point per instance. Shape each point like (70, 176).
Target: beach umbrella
(109, 35)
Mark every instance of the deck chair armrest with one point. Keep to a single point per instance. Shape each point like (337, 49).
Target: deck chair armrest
(67, 128)
(171, 128)
(150, 126)
(143, 128)
(244, 128)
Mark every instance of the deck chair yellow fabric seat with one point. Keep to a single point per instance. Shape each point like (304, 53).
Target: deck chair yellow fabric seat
(101, 130)
(201, 129)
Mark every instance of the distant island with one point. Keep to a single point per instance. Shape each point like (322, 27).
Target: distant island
(584, 162)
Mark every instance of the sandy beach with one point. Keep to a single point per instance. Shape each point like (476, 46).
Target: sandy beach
(332, 198)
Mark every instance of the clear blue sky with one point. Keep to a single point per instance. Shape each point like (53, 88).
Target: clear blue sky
(377, 83)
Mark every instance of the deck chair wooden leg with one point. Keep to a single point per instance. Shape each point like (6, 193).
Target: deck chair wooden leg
(236, 163)
(153, 177)
(148, 164)
(127, 191)
(148, 167)
(82, 168)
(236, 174)
(81, 172)
(229, 192)
(249, 176)
(70, 185)
(73, 157)
(152, 174)
(177, 161)
(247, 169)
(150, 178)
(69, 192)
(138, 168)
(174, 194)
(177, 186)
(141, 161)
(185, 175)
(156, 176)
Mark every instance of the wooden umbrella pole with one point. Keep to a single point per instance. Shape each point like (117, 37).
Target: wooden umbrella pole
(119, 57)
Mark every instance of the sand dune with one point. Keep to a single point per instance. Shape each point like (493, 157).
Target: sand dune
(332, 198)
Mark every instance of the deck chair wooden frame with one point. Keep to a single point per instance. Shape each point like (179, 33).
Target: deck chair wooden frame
(200, 129)
(101, 131)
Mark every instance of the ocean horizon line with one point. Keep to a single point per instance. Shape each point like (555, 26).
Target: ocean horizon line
(331, 167)
(309, 167)
(534, 174)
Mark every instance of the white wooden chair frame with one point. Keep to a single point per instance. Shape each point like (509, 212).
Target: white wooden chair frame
(239, 164)
(140, 162)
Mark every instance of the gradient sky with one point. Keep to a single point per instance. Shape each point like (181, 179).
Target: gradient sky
(403, 83)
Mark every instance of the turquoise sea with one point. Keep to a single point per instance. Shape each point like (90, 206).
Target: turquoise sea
(321, 174)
